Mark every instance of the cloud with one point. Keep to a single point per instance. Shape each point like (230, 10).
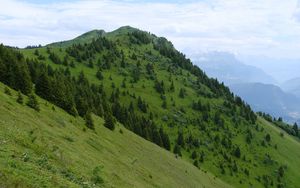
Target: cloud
(254, 27)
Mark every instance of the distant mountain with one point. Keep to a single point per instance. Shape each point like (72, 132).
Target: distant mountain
(292, 86)
(227, 68)
(281, 69)
(269, 98)
(254, 85)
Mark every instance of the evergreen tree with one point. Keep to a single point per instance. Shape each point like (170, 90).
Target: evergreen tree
(33, 102)
(295, 127)
(157, 138)
(177, 150)
(180, 139)
(91, 64)
(165, 139)
(181, 93)
(159, 86)
(172, 87)
(194, 155)
(164, 104)
(268, 138)
(201, 157)
(72, 64)
(237, 152)
(109, 122)
(123, 64)
(89, 121)
(43, 87)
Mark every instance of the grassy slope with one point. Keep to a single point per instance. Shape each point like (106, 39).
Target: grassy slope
(288, 151)
(254, 152)
(50, 148)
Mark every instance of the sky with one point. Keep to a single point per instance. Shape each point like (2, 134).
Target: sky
(268, 28)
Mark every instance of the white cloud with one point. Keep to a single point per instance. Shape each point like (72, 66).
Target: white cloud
(253, 27)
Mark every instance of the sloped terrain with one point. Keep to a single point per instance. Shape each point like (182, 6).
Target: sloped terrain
(53, 149)
(157, 93)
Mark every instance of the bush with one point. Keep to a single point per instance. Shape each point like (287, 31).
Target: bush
(268, 138)
(89, 121)
(96, 178)
(20, 98)
(7, 91)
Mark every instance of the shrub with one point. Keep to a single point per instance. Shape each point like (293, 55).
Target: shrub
(20, 98)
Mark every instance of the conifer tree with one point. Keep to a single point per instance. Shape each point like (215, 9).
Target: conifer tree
(109, 122)
(43, 86)
(237, 152)
(180, 139)
(89, 121)
(172, 87)
(33, 102)
(165, 139)
(177, 150)
(295, 127)
(181, 93)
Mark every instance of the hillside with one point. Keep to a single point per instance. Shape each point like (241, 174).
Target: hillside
(54, 149)
(143, 82)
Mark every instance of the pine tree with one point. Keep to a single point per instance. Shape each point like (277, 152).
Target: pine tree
(123, 64)
(180, 139)
(177, 150)
(20, 98)
(164, 104)
(172, 88)
(182, 93)
(33, 102)
(89, 121)
(268, 138)
(91, 64)
(43, 86)
(109, 122)
(194, 155)
(165, 139)
(295, 127)
(157, 138)
(237, 152)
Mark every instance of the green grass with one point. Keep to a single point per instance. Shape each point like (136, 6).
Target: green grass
(52, 149)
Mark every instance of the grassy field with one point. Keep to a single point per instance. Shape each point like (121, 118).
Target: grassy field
(53, 149)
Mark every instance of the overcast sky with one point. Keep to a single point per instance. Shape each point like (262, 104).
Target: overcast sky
(247, 27)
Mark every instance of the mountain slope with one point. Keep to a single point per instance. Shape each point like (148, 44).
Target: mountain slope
(228, 69)
(269, 98)
(85, 38)
(157, 93)
(292, 86)
(53, 149)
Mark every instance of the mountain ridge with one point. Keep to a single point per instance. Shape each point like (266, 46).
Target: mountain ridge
(143, 82)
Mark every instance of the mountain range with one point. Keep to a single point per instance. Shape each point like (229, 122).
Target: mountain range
(255, 86)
